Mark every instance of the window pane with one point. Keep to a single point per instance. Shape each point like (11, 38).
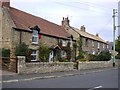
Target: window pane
(34, 52)
(35, 32)
(33, 57)
(34, 39)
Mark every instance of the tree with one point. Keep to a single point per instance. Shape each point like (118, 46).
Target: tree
(117, 47)
(43, 52)
(23, 50)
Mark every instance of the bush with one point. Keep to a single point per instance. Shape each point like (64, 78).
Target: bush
(43, 52)
(117, 47)
(103, 56)
(83, 60)
(80, 56)
(5, 52)
(23, 50)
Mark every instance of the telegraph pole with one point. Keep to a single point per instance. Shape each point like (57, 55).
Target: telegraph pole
(114, 28)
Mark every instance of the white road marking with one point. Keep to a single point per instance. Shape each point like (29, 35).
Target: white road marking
(95, 88)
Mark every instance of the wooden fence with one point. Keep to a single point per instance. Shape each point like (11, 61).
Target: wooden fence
(9, 64)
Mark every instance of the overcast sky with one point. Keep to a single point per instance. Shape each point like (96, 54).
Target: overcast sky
(96, 15)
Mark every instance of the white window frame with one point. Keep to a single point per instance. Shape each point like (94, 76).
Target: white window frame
(93, 52)
(93, 44)
(98, 45)
(34, 54)
(107, 46)
(63, 43)
(51, 55)
(71, 43)
(103, 45)
(35, 35)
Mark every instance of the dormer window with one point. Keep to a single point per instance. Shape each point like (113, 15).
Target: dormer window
(35, 33)
(35, 37)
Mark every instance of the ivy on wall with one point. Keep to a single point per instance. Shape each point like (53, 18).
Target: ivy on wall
(79, 46)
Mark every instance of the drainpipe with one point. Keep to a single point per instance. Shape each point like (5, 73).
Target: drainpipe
(20, 37)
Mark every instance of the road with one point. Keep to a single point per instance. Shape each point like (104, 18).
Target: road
(103, 79)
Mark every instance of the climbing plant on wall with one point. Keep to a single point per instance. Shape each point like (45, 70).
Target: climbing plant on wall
(79, 46)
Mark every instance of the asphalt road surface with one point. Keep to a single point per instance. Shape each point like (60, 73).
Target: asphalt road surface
(103, 79)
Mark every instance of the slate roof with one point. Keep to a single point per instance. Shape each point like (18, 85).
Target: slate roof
(25, 20)
(88, 35)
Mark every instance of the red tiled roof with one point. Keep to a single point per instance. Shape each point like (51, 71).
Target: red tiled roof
(24, 20)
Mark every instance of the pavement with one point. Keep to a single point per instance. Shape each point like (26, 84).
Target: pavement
(14, 77)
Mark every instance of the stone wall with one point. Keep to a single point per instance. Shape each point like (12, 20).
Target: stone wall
(42, 67)
(45, 67)
(94, 64)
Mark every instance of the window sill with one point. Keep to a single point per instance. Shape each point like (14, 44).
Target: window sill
(34, 43)
(35, 61)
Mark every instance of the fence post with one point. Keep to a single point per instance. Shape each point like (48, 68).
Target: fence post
(21, 63)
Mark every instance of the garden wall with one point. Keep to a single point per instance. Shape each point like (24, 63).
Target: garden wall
(42, 67)
(94, 64)
(45, 67)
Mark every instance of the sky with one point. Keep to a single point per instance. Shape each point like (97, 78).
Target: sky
(95, 15)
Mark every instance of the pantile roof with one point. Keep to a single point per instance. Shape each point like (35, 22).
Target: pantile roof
(24, 21)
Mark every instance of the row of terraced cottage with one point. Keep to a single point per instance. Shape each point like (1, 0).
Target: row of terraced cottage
(19, 26)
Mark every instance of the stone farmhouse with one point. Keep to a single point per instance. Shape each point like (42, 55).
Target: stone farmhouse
(91, 44)
(18, 26)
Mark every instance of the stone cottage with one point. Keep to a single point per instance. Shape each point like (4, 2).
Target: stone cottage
(17, 26)
(91, 44)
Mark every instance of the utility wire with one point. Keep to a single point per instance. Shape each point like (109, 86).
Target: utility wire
(78, 7)
(94, 4)
(109, 21)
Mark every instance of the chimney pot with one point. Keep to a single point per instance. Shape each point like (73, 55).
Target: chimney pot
(65, 22)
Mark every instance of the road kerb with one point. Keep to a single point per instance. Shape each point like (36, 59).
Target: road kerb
(47, 77)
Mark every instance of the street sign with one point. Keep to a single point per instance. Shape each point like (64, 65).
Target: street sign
(113, 52)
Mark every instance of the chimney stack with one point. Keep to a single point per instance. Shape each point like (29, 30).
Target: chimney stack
(5, 3)
(97, 35)
(65, 22)
(82, 28)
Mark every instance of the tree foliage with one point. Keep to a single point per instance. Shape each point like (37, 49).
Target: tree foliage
(68, 51)
(23, 50)
(103, 56)
(5, 52)
(79, 46)
(43, 52)
(117, 47)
